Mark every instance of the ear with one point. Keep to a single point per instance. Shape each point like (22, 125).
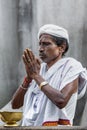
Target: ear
(62, 48)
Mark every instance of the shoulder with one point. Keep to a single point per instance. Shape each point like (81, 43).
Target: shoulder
(72, 66)
(73, 62)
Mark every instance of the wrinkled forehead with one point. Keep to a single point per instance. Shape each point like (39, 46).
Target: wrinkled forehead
(46, 37)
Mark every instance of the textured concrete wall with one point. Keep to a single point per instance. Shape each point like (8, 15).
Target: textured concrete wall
(70, 14)
(8, 49)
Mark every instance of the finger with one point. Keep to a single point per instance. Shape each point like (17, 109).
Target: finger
(24, 60)
(26, 56)
(38, 61)
(30, 53)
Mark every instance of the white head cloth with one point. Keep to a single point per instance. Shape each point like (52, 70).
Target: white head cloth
(54, 30)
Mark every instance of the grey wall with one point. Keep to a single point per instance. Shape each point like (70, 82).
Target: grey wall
(70, 14)
(19, 24)
(9, 48)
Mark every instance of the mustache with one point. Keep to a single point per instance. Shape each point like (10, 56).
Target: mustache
(42, 54)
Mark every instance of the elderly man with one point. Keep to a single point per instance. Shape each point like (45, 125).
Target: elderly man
(49, 91)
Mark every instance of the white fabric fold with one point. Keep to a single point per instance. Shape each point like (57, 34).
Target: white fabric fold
(38, 108)
(54, 30)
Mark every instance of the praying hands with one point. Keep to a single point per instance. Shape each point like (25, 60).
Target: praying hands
(32, 64)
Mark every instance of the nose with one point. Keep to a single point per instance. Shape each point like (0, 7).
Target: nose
(41, 48)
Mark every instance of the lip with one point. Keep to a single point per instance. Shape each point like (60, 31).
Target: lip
(41, 55)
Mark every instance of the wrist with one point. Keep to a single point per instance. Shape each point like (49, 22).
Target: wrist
(26, 82)
(42, 84)
(40, 81)
(23, 88)
(36, 77)
(27, 79)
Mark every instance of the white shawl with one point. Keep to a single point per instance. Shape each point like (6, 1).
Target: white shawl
(38, 108)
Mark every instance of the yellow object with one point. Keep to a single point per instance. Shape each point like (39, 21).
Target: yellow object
(43, 84)
(11, 118)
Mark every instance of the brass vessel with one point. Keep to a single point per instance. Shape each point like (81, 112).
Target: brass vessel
(11, 118)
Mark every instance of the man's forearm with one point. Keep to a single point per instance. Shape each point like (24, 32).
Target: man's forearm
(18, 97)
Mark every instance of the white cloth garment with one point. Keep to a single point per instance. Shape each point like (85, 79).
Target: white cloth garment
(54, 30)
(38, 108)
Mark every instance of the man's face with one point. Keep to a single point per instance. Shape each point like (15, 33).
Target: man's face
(48, 50)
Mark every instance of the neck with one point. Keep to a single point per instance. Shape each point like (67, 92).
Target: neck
(49, 64)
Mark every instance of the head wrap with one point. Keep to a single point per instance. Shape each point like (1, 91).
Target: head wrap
(54, 30)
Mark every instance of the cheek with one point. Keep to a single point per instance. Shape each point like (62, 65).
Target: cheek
(53, 52)
(57, 52)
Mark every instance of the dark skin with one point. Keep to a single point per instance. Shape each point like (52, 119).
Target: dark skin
(50, 53)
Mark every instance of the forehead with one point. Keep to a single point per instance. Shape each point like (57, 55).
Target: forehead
(45, 37)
